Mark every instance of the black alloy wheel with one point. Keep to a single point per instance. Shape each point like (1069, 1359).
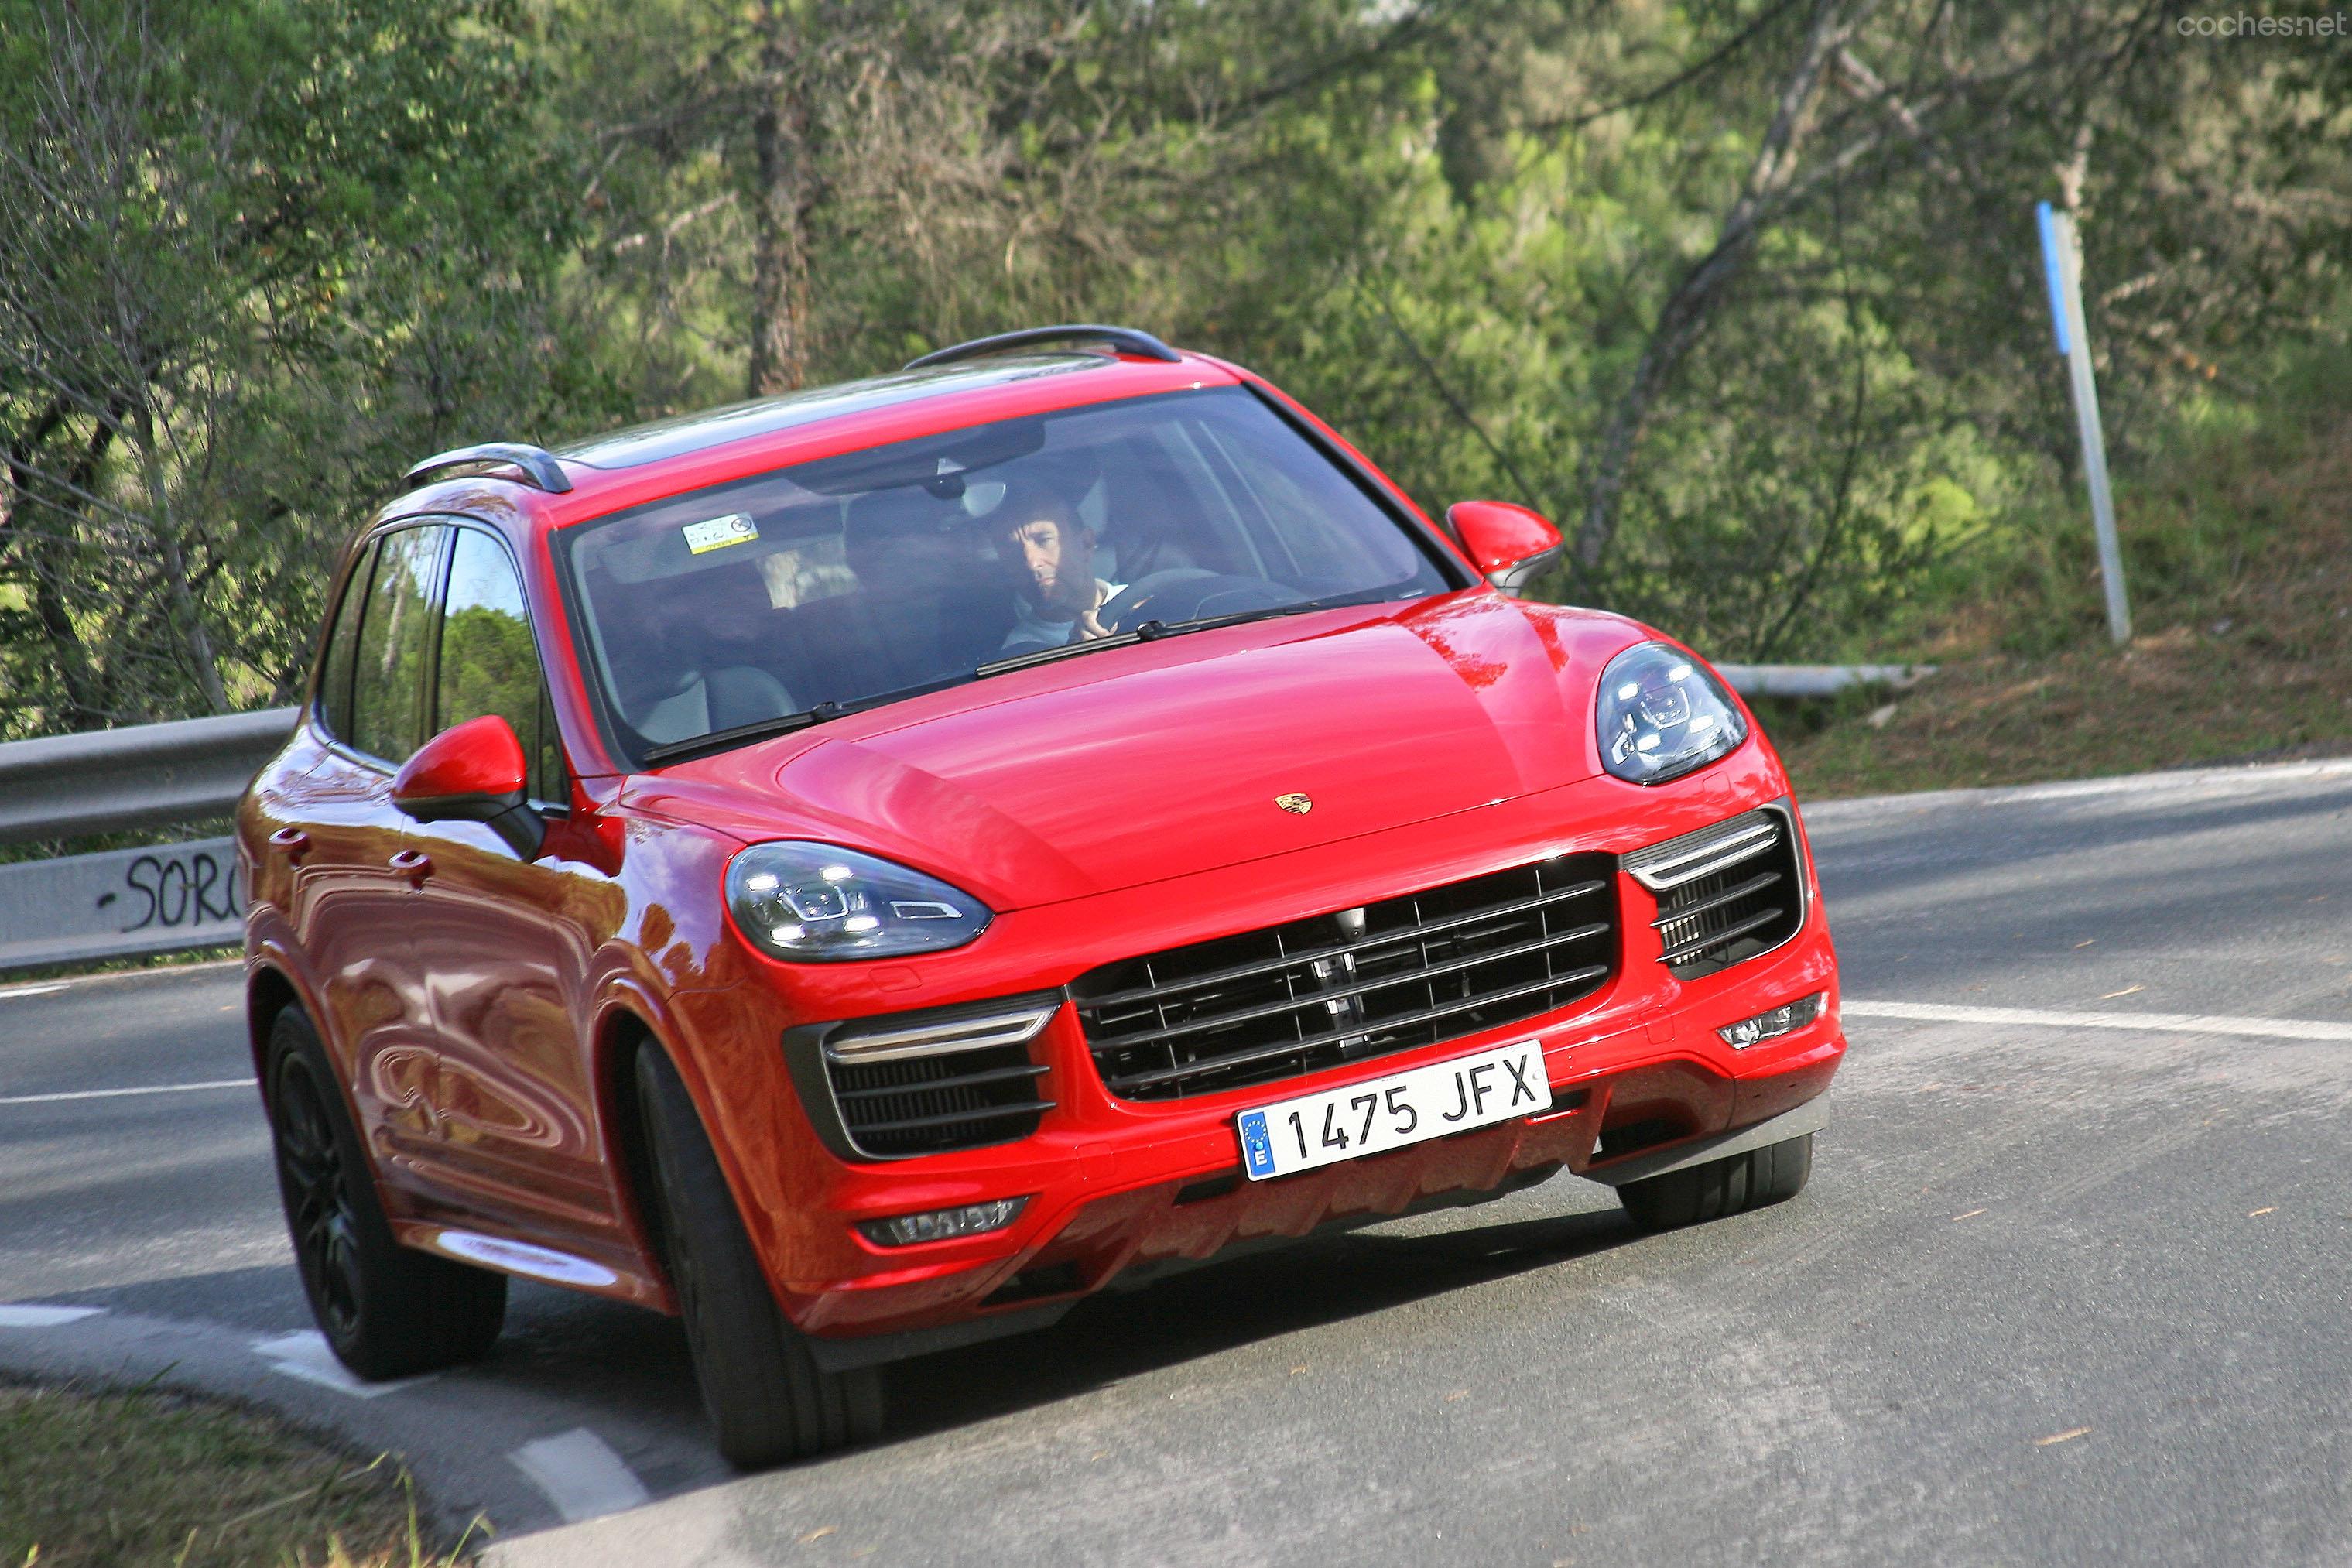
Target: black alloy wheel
(387, 1310)
(768, 1399)
(318, 1197)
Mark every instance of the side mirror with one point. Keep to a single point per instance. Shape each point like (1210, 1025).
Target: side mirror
(472, 771)
(1512, 545)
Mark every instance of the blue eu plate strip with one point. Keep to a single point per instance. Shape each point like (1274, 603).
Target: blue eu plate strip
(1257, 1147)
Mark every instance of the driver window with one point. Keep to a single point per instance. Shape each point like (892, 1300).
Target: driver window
(388, 676)
(488, 663)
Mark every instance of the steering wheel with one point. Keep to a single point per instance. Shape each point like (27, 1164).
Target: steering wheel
(1188, 593)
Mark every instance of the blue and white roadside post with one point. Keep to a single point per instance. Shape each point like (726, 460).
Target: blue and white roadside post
(2062, 266)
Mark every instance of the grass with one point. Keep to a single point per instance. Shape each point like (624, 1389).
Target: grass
(2237, 532)
(134, 1478)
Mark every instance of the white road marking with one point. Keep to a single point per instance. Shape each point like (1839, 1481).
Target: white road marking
(305, 1355)
(32, 1317)
(2145, 1022)
(6, 992)
(581, 1475)
(2242, 778)
(119, 1093)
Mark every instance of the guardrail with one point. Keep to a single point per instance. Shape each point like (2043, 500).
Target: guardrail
(147, 775)
(169, 898)
(1818, 681)
(122, 903)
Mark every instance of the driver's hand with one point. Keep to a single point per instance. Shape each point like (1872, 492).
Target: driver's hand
(1090, 625)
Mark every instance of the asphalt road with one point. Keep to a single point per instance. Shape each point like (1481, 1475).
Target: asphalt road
(2073, 1280)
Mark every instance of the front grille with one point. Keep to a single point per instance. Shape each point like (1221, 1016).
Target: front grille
(1725, 893)
(1293, 999)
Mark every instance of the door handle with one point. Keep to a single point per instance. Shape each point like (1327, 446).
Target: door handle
(413, 864)
(293, 841)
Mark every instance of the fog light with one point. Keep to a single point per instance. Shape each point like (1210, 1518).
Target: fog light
(941, 1225)
(1777, 1022)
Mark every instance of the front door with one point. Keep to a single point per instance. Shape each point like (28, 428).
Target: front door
(504, 945)
(353, 884)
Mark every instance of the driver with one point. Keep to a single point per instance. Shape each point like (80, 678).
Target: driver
(1059, 599)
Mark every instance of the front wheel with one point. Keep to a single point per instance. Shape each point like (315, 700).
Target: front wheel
(1734, 1185)
(385, 1311)
(767, 1398)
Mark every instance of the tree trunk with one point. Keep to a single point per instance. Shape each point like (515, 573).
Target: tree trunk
(187, 619)
(47, 557)
(1683, 317)
(779, 356)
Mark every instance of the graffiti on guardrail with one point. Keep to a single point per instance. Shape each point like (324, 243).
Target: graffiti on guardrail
(120, 903)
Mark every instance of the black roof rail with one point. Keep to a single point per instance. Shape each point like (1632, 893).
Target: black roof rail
(1127, 340)
(539, 469)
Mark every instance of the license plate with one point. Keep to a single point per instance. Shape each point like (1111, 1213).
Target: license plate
(1390, 1112)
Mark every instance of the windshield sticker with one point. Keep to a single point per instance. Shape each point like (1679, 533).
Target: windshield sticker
(718, 533)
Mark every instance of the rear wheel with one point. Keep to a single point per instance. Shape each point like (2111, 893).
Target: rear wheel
(767, 1398)
(1728, 1186)
(386, 1310)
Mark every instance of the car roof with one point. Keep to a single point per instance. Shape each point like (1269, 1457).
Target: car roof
(687, 452)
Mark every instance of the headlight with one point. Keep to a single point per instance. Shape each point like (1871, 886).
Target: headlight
(816, 903)
(1662, 714)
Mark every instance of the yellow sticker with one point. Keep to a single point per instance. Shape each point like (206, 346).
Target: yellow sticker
(718, 533)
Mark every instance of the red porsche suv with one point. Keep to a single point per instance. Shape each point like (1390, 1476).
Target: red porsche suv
(863, 869)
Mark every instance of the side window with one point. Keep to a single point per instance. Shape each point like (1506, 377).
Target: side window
(342, 645)
(488, 664)
(395, 630)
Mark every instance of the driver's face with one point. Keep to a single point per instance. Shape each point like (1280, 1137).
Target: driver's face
(1057, 563)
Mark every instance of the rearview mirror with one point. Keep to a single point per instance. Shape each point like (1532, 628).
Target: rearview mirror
(472, 771)
(1512, 545)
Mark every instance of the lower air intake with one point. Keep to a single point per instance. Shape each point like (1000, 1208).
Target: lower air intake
(1725, 893)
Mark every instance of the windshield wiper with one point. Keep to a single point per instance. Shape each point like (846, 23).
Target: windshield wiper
(785, 723)
(1152, 631)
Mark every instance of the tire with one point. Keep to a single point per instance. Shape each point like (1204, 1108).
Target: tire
(767, 1398)
(1771, 1174)
(387, 1310)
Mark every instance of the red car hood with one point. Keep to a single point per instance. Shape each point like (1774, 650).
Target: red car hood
(1134, 764)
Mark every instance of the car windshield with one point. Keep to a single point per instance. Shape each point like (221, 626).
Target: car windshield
(790, 595)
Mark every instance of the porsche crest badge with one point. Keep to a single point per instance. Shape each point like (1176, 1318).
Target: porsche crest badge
(1296, 804)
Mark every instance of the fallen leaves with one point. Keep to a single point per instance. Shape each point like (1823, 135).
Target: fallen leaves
(2066, 1436)
(819, 1533)
(2258, 1213)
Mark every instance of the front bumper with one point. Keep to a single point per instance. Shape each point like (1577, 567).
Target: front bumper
(1120, 1189)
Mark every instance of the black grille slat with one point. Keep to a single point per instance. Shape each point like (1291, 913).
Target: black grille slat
(960, 1118)
(924, 1105)
(1761, 880)
(1746, 908)
(1410, 971)
(1723, 938)
(994, 1075)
